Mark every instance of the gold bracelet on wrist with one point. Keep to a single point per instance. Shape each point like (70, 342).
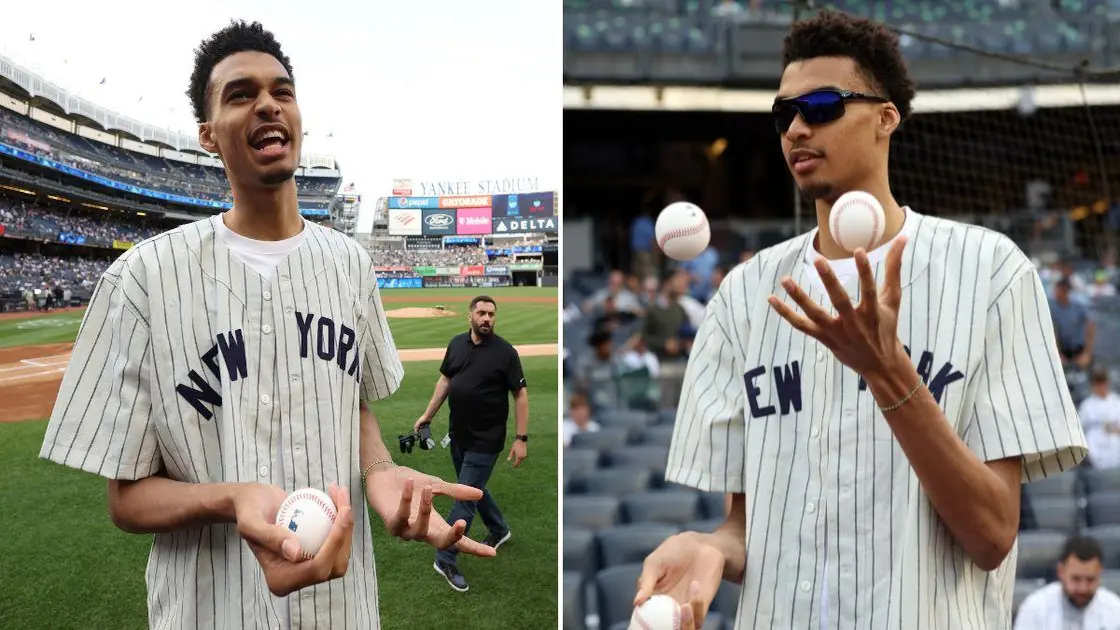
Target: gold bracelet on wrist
(365, 473)
(904, 398)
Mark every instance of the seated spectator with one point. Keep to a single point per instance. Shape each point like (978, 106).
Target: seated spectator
(1102, 286)
(1100, 418)
(1073, 327)
(667, 325)
(1076, 600)
(579, 418)
(596, 372)
(623, 300)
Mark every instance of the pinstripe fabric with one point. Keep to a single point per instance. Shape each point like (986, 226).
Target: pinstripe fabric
(769, 412)
(289, 359)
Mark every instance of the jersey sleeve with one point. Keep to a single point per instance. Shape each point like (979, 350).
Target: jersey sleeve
(707, 450)
(102, 420)
(1023, 406)
(382, 370)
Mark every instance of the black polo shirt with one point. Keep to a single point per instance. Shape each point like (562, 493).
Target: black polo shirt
(482, 376)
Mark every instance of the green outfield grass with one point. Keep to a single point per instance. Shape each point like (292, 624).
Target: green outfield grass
(518, 322)
(67, 566)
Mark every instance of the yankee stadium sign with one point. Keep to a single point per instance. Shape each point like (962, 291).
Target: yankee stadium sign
(450, 188)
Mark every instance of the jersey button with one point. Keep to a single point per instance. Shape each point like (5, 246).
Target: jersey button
(266, 329)
(264, 471)
(267, 295)
(814, 432)
(820, 356)
(805, 586)
(266, 399)
(809, 507)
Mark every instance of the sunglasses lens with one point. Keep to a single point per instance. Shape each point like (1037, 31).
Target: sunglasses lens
(816, 108)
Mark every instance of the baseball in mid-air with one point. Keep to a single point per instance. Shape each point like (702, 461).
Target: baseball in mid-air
(682, 230)
(309, 514)
(659, 612)
(857, 220)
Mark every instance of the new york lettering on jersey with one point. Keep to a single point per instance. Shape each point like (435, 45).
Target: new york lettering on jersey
(190, 362)
(831, 502)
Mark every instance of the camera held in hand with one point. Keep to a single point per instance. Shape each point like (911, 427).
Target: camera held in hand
(423, 437)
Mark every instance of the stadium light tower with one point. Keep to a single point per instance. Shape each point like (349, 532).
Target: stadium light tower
(344, 212)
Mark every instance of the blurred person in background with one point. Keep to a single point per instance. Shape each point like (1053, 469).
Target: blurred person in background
(700, 272)
(1102, 286)
(667, 322)
(595, 373)
(579, 418)
(616, 290)
(1074, 328)
(1100, 418)
(1077, 599)
(643, 245)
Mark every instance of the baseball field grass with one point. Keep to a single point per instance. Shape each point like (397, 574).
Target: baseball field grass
(66, 566)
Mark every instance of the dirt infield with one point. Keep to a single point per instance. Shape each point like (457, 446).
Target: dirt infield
(30, 375)
(418, 312)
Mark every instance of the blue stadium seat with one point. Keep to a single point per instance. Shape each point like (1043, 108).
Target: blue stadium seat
(593, 512)
(1056, 513)
(618, 481)
(615, 588)
(1063, 485)
(1104, 509)
(652, 458)
(726, 602)
(605, 439)
(1039, 552)
(1109, 538)
(578, 463)
(659, 435)
(712, 504)
(631, 543)
(667, 417)
(580, 551)
(1098, 480)
(574, 612)
(633, 422)
(667, 506)
(1110, 579)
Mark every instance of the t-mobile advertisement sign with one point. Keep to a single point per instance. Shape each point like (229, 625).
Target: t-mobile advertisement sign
(473, 221)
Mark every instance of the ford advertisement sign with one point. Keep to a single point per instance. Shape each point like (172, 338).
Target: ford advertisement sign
(439, 222)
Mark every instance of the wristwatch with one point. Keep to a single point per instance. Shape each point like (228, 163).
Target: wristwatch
(523, 438)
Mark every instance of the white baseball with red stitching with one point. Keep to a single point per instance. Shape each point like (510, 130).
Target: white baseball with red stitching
(309, 514)
(682, 230)
(659, 612)
(856, 220)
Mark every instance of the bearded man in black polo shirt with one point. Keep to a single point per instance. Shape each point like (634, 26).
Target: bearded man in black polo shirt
(479, 372)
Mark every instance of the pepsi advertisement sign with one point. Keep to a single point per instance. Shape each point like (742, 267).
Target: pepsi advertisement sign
(409, 203)
(537, 204)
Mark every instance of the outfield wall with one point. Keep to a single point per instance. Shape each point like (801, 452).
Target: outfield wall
(468, 276)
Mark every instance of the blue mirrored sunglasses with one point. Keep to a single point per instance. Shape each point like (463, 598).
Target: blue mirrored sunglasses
(817, 107)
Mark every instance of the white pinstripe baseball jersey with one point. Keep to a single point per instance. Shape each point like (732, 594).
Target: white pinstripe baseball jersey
(770, 412)
(189, 361)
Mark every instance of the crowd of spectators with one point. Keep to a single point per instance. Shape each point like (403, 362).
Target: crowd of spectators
(138, 169)
(35, 281)
(383, 256)
(46, 223)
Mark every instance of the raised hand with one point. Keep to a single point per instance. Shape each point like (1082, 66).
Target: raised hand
(277, 550)
(408, 514)
(863, 337)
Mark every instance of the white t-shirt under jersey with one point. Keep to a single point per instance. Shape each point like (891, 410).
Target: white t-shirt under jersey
(262, 257)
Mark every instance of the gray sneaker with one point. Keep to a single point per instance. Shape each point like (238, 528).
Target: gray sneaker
(450, 572)
(495, 542)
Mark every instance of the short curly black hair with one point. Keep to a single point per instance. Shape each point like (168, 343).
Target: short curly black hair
(239, 36)
(871, 45)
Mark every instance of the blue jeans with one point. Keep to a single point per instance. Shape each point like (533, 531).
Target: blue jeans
(473, 469)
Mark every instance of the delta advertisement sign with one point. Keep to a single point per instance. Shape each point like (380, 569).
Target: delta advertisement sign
(473, 214)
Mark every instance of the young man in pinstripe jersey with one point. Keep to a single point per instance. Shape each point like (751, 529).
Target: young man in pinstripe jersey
(873, 417)
(228, 362)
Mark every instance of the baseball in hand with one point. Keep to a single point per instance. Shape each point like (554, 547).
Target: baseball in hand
(309, 514)
(659, 612)
(856, 220)
(682, 230)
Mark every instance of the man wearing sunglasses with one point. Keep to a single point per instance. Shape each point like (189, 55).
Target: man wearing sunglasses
(872, 417)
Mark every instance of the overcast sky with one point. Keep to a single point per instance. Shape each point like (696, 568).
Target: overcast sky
(437, 89)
